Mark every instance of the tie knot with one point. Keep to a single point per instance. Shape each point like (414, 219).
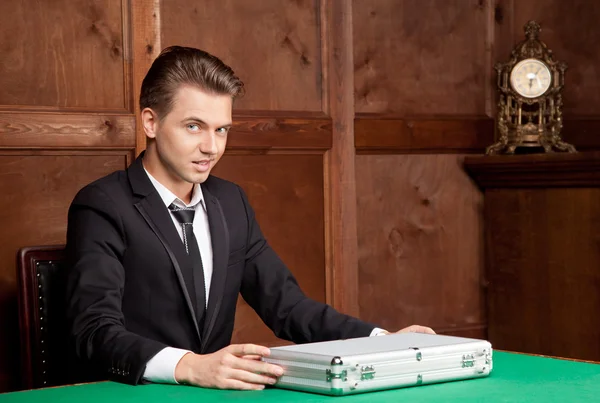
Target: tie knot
(185, 215)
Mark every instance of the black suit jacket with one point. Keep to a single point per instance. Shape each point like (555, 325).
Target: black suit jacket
(130, 290)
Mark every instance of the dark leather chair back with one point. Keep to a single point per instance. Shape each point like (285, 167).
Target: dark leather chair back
(44, 333)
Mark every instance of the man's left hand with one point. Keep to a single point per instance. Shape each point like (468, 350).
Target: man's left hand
(416, 329)
(413, 329)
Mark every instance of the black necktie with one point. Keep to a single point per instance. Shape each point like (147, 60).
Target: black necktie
(185, 216)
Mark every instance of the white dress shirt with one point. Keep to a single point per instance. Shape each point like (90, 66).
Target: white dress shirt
(161, 367)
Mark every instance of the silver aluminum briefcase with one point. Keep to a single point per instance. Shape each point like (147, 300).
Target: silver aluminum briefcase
(380, 362)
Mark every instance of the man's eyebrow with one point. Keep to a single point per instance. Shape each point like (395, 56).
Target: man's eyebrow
(194, 118)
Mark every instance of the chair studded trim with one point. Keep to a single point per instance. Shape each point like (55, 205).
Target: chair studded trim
(42, 319)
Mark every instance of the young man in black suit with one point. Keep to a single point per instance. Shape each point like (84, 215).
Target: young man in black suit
(159, 252)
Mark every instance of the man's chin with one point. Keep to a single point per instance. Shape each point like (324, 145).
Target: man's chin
(198, 177)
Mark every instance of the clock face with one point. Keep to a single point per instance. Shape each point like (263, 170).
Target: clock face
(530, 78)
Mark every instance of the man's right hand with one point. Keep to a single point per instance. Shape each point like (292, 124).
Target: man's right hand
(237, 366)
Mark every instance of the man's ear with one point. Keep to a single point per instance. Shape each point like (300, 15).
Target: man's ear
(150, 122)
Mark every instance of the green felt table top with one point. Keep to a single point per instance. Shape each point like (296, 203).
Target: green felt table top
(515, 378)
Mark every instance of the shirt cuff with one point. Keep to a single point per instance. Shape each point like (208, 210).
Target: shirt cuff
(378, 332)
(161, 367)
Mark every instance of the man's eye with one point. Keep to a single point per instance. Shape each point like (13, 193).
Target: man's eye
(222, 130)
(193, 127)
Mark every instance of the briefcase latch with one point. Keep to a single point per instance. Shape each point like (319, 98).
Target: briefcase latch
(343, 376)
(367, 372)
(468, 360)
(419, 356)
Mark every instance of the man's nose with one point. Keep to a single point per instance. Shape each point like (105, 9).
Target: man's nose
(209, 143)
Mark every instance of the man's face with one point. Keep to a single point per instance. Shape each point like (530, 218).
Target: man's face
(191, 139)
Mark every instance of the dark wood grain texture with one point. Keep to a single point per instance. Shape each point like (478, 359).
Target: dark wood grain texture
(35, 193)
(376, 134)
(543, 252)
(340, 201)
(536, 171)
(286, 193)
(280, 131)
(420, 243)
(421, 57)
(45, 130)
(272, 46)
(582, 132)
(145, 31)
(64, 54)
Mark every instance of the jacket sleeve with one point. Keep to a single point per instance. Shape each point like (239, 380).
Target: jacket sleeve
(273, 292)
(96, 243)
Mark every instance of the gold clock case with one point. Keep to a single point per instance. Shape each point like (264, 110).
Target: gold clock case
(530, 123)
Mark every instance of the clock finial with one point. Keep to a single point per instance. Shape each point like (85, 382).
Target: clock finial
(532, 30)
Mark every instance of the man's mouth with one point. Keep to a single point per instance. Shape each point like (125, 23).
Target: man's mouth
(202, 165)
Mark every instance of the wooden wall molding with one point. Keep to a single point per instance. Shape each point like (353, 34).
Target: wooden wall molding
(339, 175)
(62, 109)
(67, 151)
(47, 130)
(128, 153)
(274, 132)
(381, 134)
(535, 170)
(145, 34)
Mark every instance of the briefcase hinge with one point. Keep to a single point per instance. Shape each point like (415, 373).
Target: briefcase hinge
(468, 360)
(367, 372)
(331, 376)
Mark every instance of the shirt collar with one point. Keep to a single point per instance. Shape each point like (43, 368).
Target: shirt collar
(169, 198)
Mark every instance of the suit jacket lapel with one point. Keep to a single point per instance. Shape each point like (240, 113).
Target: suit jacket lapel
(220, 245)
(155, 213)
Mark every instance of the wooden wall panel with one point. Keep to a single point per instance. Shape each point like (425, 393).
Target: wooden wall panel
(423, 85)
(36, 189)
(420, 243)
(64, 54)
(286, 192)
(421, 57)
(543, 260)
(273, 47)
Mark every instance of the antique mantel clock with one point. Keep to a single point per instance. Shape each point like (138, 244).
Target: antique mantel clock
(529, 107)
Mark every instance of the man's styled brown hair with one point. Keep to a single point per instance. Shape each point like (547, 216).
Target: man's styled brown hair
(176, 66)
